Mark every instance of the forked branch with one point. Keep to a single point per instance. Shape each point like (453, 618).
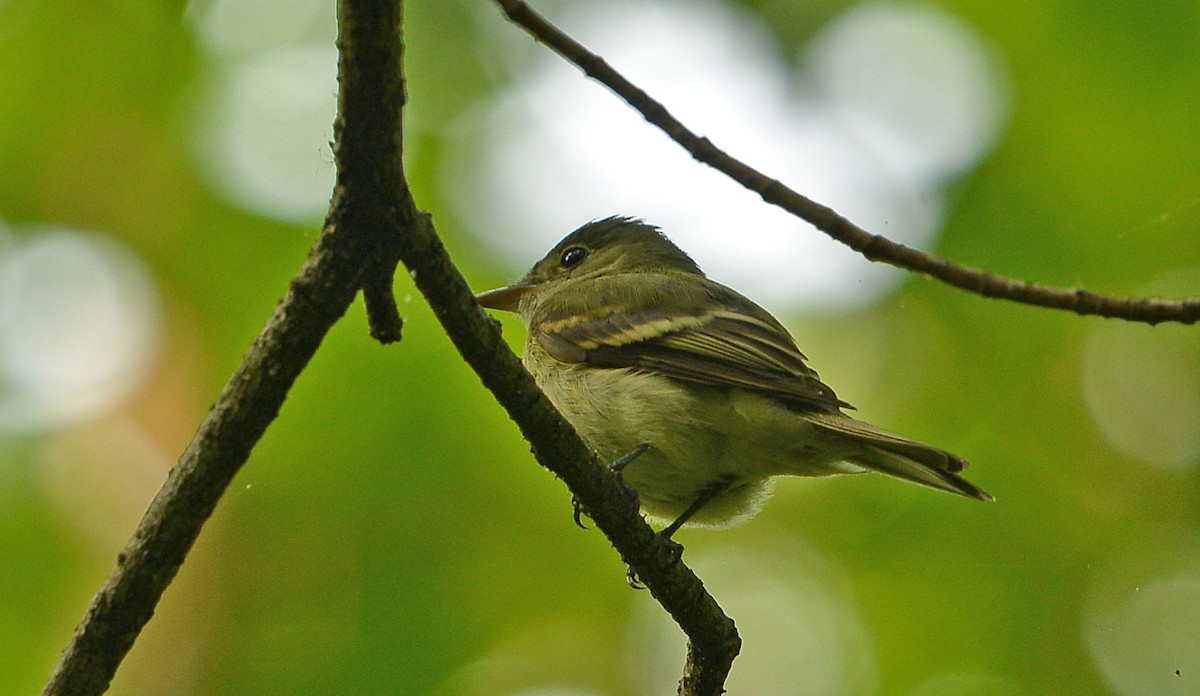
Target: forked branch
(373, 222)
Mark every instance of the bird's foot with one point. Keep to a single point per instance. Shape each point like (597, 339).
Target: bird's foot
(712, 491)
(674, 547)
(616, 468)
(619, 465)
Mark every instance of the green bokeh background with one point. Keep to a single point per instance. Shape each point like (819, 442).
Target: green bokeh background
(392, 534)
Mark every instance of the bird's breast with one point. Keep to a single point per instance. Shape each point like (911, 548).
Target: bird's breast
(697, 436)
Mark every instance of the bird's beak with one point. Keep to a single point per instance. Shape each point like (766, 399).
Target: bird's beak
(505, 298)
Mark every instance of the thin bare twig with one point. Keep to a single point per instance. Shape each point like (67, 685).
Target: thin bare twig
(872, 246)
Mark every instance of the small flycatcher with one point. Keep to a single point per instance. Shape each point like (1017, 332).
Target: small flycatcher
(644, 354)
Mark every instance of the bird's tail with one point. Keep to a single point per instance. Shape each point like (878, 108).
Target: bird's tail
(879, 450)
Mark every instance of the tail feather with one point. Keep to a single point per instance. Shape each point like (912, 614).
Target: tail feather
(926, 473)
(879, 450)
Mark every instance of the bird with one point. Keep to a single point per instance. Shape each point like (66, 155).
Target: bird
(698, 396)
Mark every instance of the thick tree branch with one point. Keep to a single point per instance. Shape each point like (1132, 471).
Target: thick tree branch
(872, 246)
(357, 248)
(372, 222)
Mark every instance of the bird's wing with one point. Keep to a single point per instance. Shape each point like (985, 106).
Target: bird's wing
(730, 344)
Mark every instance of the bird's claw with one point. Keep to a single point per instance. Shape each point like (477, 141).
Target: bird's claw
(615, 468)
(673, 547)
(578, 511)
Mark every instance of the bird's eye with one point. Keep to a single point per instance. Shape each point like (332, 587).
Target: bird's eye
(572, 257)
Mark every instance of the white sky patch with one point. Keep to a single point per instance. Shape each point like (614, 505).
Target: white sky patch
(891, 102)
(264, 124)
(237, 27)
(79, 326)
(264, 108)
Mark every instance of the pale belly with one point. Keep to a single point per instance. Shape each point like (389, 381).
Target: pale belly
(726, 435)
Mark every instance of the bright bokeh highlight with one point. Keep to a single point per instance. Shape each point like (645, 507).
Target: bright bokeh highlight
(263, 114)
(79, 322)
(888, 104)
(1143, 384)
(796, 617)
